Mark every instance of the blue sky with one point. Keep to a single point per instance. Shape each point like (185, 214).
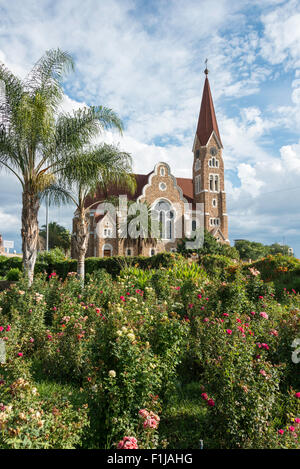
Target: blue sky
(146, 59)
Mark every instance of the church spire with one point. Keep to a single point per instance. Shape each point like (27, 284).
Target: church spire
(207, 122)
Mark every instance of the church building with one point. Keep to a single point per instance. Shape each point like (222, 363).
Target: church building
(164, 193)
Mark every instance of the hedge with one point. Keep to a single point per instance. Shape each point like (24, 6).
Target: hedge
(113, 265)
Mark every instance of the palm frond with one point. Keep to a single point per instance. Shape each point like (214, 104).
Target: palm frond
(47, 75)
(58, 195)
(10, 96)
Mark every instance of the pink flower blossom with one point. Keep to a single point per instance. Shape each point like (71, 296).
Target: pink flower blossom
(150, 422)
(263, 372)
(128, 442)
(211, 402)
(31, 340)
(199, 296)
(8, 328)
(291, 428)
(1, 328)
(204, 396)
(229, 331)
(190, 305)
(253, 313)
(205, 319)
(297, 395)
(226, 315)
(20, 354)
(297, 420)
(143, 413)
(281, 432)
(264, 315)
(265, 346)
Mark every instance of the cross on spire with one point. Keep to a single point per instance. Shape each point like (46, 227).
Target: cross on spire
(206, 69)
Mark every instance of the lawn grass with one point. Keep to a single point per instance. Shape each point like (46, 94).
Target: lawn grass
(183, 422)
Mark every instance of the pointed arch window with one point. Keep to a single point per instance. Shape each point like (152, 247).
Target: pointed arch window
(165, 215)
(197, 165)
(197, 184)
(214, 183)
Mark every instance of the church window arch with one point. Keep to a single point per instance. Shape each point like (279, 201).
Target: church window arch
(197, 184)
(216, 183)
(166, 216)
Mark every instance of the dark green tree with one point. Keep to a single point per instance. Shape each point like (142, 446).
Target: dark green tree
(59, 236)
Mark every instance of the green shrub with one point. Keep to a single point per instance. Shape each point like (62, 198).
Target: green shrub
(13, 275)
(29, 422)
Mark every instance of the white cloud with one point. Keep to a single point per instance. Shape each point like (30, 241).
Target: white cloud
(282, 34)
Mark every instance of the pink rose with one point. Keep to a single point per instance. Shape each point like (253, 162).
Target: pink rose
(297, 394)
(264, 315)
(281, 432)
(143, 413)
(128, 442)
(291, 428)
(263, 372)
(211, 402)
(204, 396)
(229, 331)
(8, 328)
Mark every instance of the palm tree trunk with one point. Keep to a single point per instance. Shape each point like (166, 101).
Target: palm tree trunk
(81, 244)
(29, 231)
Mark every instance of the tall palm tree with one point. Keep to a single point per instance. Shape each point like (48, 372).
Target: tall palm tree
(141, 226)
(36, 140)
(87, 173)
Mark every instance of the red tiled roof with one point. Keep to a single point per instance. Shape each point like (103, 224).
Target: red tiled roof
(187, 188)
(141, 180)
(207, 118)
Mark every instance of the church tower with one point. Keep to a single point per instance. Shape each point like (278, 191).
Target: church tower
(208, 168)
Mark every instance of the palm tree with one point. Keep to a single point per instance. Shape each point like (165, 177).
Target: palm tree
(87, 173)
(36, 140)
(141, 226)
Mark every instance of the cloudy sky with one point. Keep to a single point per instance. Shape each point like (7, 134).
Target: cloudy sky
(145, 60)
